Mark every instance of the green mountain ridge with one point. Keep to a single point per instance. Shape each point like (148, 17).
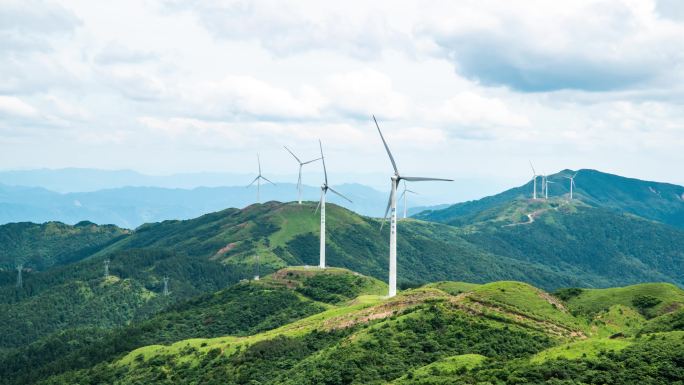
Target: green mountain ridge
(567, 244)
(69, 322)
(242, 309)
(662, 202)
(41, 246)
(446, 332)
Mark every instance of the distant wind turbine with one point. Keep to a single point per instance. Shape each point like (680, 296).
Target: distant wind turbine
(258, 179)
(20, 282)
(572, 183)
(546, 187)
(392, 205)
(403, 196)
(299, 180)
(321, 204)
(534, 180)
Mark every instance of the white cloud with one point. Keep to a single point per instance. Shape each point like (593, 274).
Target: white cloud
(365, 92)
(200, 84)
(247, 97)
(15, 107)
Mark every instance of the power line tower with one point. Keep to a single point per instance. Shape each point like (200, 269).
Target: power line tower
(256, 272)
(166, 286)
(106, 266)
(20, 282)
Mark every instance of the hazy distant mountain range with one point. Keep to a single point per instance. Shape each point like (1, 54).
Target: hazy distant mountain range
(128, 198)
(130, 207)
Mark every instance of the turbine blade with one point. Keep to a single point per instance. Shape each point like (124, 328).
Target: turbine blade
(394, 164)
(402, 194)
(291, 153)
(259, 161)
(264, 178)
(325, 172)
(422, 179)
(412, 192)
(533, 171)
(311, 161)
(255, 179)
(340, 195)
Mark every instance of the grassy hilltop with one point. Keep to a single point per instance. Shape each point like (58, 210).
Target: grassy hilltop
(446, 332)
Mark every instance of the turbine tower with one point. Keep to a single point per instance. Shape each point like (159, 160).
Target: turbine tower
(166, 286)
(258, 179)
(392, 205)
(106, 268)
(546, 188)
(20, 282)
(256, 275)
(403, 196)
(572, 183)
(534, 180)
(321, 204)
(299, 180)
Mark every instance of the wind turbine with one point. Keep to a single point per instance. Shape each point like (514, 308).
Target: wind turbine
(572, 183)
(321, 204)
(534, 179)
(299, 180)
(403, 196)
(392, 205)
(258, 179)
(546, 187)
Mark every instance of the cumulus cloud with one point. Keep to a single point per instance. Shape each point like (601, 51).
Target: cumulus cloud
(115, 53)
(287, 28)
(245, 97)
(480, 77)
(364, 92)
(28, 25)
(14, 107)
(589, 45)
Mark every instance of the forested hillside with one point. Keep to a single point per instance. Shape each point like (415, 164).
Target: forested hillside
(40, 246)
(565, 245)
(444, 333)
(243, 309)
(657, 201)
(78, 295)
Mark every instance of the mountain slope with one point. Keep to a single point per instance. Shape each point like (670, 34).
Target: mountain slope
(661, 202)
(285, 234)
(566, 245)
(503, 331)
(243, 309)
(40, 246)
(599, 246)
(77, 295)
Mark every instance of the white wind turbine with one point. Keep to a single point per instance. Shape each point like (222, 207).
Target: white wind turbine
(258, 179)
(392, 204)
(572, 183)
(534, 180)
(546, 187)
(403, 196)
(321, 204)
(299, 180)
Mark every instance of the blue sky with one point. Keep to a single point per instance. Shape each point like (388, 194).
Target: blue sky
(463, 89)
